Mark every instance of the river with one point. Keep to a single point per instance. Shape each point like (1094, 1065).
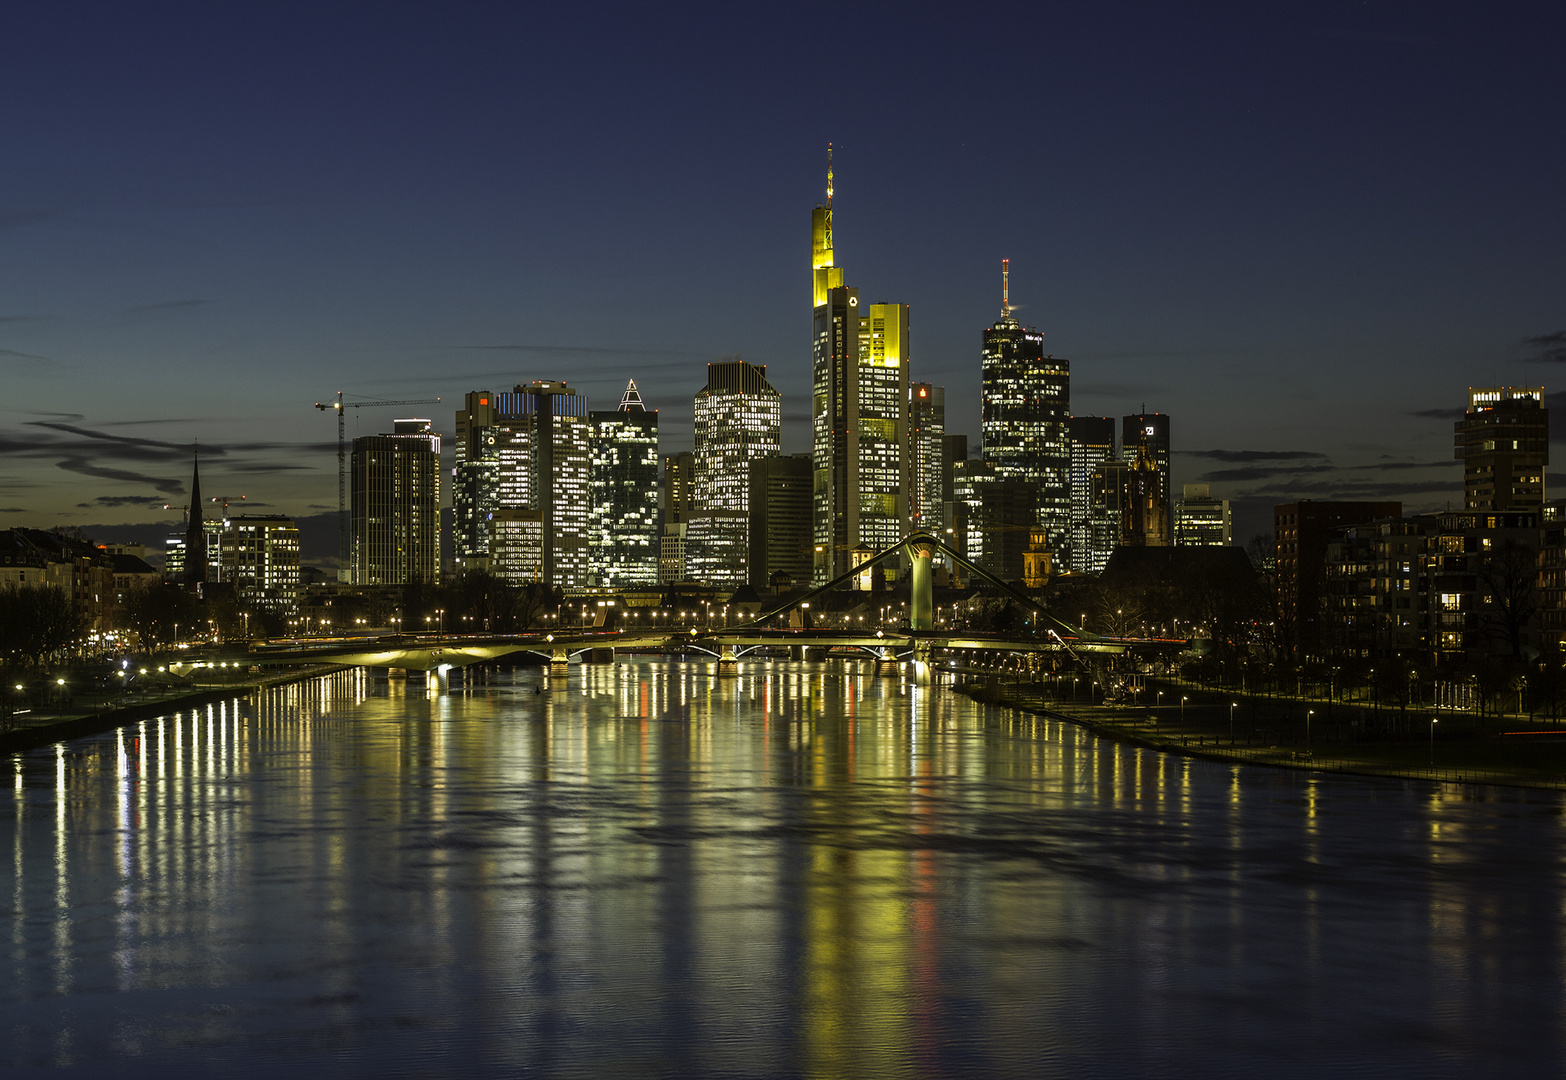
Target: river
(803, 870)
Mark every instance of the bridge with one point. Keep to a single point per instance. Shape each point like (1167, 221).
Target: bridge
(787, 625)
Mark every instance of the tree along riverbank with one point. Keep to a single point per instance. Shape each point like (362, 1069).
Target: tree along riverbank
(1301, 733)
(91, 714)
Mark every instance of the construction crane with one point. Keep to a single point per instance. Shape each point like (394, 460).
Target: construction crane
(342, 468)
(226, 499)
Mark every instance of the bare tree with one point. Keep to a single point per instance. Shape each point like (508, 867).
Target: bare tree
(1509, 575)
(38, 622)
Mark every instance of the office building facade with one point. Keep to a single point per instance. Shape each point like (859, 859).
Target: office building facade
(738, 417)
(1201, 520)
(780, 526)
(623, 480)
(1094, 528)
(1026, 408)
(679, 472)
(395, 523)
(523, 476)
(1503, 441)
(927, 479)
(258, 555)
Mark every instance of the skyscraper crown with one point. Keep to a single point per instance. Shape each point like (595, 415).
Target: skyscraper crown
(632, 401)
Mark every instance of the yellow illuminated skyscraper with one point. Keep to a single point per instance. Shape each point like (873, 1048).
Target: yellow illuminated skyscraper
(826, 274)
(860, 412)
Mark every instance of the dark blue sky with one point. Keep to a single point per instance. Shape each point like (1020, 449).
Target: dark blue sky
(1302, 231)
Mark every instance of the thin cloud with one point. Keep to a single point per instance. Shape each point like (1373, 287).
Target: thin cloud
(586, 350)
(1245, 456)
(129, 440)
(1546, 348)
(1438, 414)
(124, 500)
(12, 510)
(1348, 490)
(86, 468)
(1382, 466)
(167, 305)
(1251, 473)
(25, 356)
(17, 219)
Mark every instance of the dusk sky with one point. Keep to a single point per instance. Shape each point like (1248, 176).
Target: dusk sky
(1302, 231)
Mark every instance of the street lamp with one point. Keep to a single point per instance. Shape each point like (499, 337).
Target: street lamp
(1433, 722)
(1308, 714)
(1232, 704)
(1183, 700)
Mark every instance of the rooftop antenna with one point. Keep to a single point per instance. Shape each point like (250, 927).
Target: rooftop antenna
(829, 174)
(1005, 288)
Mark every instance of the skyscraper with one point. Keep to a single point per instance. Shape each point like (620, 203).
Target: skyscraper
(1503, 442)
(1027, 402)
(521, 504)
(678, 478)
(859, 407)
(1153, 428)
(993, 517)
(1094, 527)
(780, 537)
(623, 478)
(926, 457)
(395, 523)
(738, 418)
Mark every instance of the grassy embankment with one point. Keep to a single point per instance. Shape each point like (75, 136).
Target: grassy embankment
(91, 711)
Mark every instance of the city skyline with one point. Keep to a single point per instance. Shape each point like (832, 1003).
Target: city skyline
(1274, 270)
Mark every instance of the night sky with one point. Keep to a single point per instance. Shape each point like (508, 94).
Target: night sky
(1302, 232)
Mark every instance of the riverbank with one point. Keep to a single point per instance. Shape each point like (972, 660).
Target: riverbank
(92, 717)
(1253, 730)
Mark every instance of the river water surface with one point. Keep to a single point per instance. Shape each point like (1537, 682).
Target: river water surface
(803, 870)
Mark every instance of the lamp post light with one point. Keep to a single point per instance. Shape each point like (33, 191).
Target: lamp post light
(1232, 704)
(1183, 700)
(1433, 722)
(1308, 714)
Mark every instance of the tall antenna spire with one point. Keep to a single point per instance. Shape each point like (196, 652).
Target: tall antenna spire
(829, 174)
(1005, 288)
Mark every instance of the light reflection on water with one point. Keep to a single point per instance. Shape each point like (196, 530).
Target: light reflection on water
(803, 870)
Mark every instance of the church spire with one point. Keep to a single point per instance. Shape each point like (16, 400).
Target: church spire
(195, 535)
